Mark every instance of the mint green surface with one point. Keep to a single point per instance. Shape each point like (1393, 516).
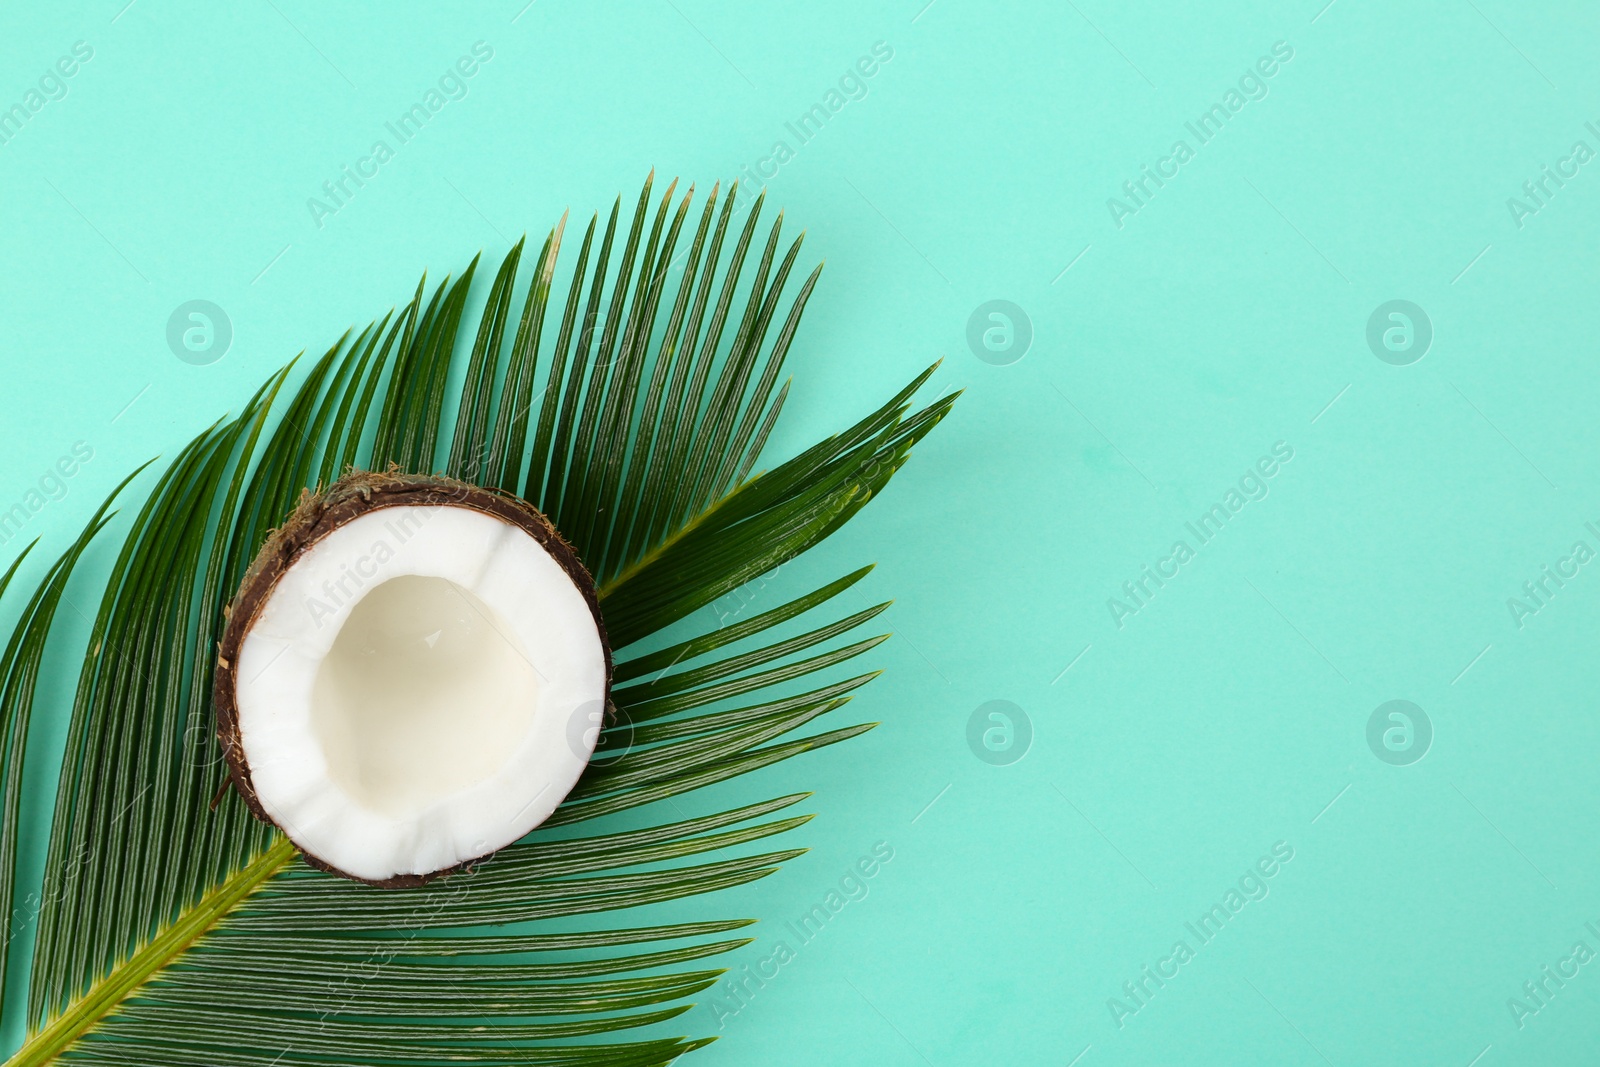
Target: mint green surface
(1226, 314)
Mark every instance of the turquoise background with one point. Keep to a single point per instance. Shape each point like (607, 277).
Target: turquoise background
(1227, 314)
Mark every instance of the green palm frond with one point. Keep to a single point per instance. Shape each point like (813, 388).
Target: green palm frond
(174, 929)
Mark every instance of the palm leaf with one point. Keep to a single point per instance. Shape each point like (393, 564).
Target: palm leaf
(172, 928)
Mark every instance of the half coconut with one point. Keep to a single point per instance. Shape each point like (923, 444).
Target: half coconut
(413, 675)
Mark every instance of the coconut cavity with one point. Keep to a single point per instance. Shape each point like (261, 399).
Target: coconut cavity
(410, 676)
(425, 691)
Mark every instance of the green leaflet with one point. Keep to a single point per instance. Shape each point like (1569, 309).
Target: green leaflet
(172, 928)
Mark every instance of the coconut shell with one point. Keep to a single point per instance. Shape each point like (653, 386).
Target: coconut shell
(317, 516)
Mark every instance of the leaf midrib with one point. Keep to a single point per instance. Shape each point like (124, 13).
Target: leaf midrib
(127, 977)
(606, 588)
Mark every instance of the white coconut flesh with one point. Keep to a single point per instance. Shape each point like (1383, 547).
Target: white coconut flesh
(421, 687)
